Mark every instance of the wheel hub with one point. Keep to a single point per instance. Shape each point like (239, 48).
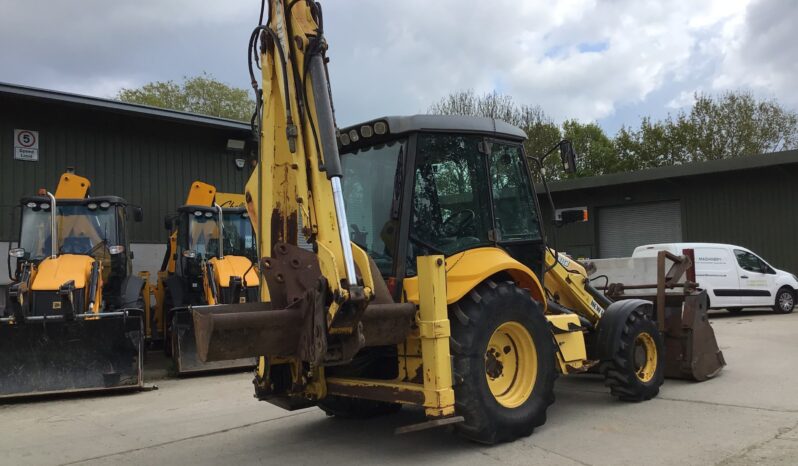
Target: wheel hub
(493, 364)
(511, 364)
(785, 301)
(645, 357)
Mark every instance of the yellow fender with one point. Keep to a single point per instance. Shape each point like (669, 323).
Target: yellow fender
(465, 270)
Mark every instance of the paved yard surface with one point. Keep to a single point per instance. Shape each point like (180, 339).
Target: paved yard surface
(747, 415)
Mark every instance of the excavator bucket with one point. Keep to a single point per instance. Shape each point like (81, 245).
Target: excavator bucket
(40, 357)
(184, 349)
(691, 350)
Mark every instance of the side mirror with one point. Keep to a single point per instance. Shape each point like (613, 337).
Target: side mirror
(168, 223)
(18, 253)
(138, 214)
(567, 156)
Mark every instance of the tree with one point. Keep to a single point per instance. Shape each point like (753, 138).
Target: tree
(733, 124)
(491, 105)
(596, 154)
(736, 124)
(199, 94)
(542, 133)
(654, 144)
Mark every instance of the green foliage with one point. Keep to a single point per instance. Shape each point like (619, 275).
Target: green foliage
(541, 131)
(732, 124)
(199, 94)
(596, 152)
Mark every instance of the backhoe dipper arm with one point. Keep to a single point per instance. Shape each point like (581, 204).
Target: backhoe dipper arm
(299, 170)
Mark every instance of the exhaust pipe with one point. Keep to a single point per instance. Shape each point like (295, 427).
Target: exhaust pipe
(53, 229)
(221, 230)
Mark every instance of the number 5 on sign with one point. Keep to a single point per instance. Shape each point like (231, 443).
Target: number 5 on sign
(26, 145)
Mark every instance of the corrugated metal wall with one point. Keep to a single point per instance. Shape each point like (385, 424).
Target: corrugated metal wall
(754, 208)
(148, 162)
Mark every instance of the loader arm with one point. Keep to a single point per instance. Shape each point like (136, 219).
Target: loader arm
(298, 147)
(567, 285)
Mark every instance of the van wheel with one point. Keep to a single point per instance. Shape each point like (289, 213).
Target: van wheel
(785, 300)
(504, 363)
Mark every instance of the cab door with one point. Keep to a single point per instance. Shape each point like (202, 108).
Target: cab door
(757, 279)
(516, 222)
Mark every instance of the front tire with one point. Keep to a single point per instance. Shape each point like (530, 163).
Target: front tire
(637, 368)
(785, 300)
(504, 363)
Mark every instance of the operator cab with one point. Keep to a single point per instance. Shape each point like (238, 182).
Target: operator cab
(458, 183)
(200, 240)
(197, 230)
(92, 226)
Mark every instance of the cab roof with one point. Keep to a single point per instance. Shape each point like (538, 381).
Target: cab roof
(192, 208)
(398, 125)
(116, 200)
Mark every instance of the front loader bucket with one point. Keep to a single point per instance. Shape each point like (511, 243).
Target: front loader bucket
(51, 356)
(184, 349)
(691, 350)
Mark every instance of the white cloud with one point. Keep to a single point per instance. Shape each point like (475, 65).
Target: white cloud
(684, 99)
(761, 52)
(424, 50)
(584, 58)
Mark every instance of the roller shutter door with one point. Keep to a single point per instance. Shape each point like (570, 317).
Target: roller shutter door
(623, 228)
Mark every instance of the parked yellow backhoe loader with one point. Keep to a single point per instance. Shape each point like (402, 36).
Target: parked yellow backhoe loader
(425, 283)
(73, 320)
(209, 260)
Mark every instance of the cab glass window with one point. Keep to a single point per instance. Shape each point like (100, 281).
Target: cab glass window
(513, 202)
(372, 188)
(451, 201)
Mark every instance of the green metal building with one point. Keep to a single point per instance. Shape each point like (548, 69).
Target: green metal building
(146, 155)
(749, 201)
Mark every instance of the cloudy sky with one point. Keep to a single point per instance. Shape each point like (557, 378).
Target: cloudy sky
(607, 61)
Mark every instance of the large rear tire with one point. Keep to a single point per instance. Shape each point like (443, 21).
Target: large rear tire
(504, 363)
(637, 368)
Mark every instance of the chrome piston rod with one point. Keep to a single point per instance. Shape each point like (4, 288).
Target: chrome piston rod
(332, 160)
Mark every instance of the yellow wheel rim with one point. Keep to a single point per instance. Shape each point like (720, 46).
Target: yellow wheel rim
(511, 364)
(645, 357)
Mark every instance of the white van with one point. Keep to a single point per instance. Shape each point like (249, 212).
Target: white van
(734, 277)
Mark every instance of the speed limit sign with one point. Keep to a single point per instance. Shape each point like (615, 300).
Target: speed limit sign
(26, 145)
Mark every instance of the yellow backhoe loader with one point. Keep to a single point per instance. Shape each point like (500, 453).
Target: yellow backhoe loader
(73, 320)
(209, 260)
(425, 283)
